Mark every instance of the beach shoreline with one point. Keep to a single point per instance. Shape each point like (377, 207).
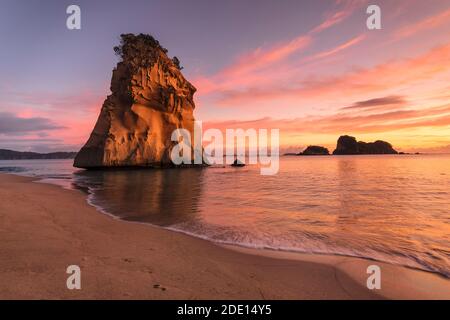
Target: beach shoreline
(45, 228)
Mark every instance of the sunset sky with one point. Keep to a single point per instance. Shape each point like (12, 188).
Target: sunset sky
(310, 68)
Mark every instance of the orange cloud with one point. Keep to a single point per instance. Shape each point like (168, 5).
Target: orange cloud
(324, 130)
(339, 123)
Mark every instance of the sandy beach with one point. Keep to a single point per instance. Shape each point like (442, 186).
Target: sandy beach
(44, 229)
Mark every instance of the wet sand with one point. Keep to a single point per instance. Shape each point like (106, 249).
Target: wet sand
(44, 229)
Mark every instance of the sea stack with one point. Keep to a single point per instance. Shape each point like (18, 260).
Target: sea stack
(150, 99)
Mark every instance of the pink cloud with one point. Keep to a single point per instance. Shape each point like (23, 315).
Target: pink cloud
(349, 6)
(363, 81)
(339, 48)
(423, 25)
(248, 68)
(74, 114)
(262, 58)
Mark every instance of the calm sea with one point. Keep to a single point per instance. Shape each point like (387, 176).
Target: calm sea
(389, 208)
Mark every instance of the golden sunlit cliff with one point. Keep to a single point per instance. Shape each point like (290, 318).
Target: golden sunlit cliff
(150, 99)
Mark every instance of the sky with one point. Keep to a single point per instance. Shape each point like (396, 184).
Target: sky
(311, 68)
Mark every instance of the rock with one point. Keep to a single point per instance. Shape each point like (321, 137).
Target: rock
(150, 99)
(346, 145)
(377, 147)
(315, 151)
(349, 145)
(238, 163)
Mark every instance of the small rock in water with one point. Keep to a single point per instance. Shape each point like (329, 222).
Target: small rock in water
(238, 163)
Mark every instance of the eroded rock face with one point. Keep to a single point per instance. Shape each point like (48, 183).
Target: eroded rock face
(150, 99)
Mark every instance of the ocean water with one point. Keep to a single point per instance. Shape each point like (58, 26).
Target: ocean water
(389, 208)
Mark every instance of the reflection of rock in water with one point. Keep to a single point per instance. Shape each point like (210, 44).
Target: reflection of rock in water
(161, 197)
(348, 177)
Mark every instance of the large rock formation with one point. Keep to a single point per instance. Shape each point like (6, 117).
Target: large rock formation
(349, 145)
(150, 99)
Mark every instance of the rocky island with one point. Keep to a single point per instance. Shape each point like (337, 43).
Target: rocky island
(347, 145)
(315, 151)
(150, 99)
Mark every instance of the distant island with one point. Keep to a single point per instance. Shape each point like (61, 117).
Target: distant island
(17, 155)
(348, 145)
(315, 151)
